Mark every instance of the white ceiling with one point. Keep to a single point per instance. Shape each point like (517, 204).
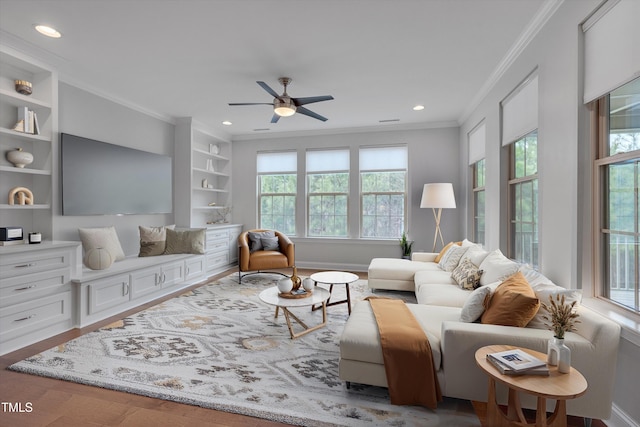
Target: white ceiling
(378, 58)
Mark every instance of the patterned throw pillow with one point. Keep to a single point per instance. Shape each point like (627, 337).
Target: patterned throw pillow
(467, 275)
(452, 257)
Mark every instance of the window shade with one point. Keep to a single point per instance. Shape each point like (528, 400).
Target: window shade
(520, 111)
(284, 161)
(383, 158)
(611, 47)
(327, 160)
(477, 143)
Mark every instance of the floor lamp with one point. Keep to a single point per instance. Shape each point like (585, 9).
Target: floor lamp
(438, 196)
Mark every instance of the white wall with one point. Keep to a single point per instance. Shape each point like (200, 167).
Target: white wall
(84, 114)
(564, 229)
(433, 157)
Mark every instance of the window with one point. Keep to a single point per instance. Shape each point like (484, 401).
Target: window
(383, 191)
(277, 189)
(478, 201)
(618, 200)
(523, 199)
(327, 193)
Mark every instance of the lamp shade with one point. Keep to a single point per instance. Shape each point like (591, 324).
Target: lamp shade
(438, 195)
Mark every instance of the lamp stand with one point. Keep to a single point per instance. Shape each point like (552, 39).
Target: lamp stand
(438, 232)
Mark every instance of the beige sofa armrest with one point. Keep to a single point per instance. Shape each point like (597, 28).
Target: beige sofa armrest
(423, 256)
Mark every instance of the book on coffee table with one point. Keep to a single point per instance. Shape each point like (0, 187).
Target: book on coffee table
(505, 370)
(516, 360)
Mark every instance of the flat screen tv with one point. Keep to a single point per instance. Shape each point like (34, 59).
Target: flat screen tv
(106, 179)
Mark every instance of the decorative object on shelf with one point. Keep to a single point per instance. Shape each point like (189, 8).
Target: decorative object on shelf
(98, 259)
(221, 215)
(285, 285)
(19, 158)
(27, 121)
(560, 318)
(23, 195)
(308, 284)
(438, 196)
(212, 204)
(24, 87)
(205, 183)
(295, 279)
(214, 149)
(8, 234)
(210, 165)
(405, 245)
(35, 238)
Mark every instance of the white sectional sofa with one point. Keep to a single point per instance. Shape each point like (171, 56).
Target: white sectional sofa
(441, 305)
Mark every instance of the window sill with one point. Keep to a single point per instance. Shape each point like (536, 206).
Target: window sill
(629, 322)
(344, 240)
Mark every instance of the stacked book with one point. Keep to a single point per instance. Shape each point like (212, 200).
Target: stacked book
(517, 362)
(27, 121)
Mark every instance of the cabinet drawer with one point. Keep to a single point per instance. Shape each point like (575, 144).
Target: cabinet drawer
(19, 289)
(107, 293)
(217, 259)
(27, 317)
(26, 263)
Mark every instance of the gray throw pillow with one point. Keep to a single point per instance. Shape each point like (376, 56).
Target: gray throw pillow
(255, 239)
(185, 241)
(270, 243)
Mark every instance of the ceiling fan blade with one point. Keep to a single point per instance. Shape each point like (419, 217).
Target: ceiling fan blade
(266, 87)
(311, 99)
(250, 103)
(275, 118)
(310, 113)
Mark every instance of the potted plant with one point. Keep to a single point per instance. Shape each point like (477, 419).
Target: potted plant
(405, 245)
(560, 318)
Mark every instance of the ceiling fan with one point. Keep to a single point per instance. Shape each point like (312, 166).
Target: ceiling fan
(285, 105)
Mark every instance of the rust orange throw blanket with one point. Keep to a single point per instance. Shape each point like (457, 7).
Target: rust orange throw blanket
(408, 362)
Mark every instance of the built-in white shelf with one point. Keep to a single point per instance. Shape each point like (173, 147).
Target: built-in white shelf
(206, 153)
(24, 136)
(20, 100)
(24, 170)
(25, 207)
(215, 190)
(211, 172)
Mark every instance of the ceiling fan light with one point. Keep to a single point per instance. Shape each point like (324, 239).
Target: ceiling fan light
(284, 108)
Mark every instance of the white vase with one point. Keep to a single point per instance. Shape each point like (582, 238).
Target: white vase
(559, 354)
(19, 158)
(308, 284)
(285, 285)
(98, 259)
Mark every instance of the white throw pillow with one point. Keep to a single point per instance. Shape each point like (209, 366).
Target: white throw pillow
(543, 292)
(102, 237)
(474, 305)
(451, 258)
(496, 267)
(475, 254)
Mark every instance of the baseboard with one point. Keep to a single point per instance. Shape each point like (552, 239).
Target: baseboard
(619, 418)
(332, 266)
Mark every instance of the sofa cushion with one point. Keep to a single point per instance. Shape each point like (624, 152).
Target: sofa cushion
(102, 237)
(467, 275)
(438, 294)
(398, 269)
(360, 339)
(474, 305)
(185, 241)
(475, 254)
(255, 239)
(496, 267)
(153, 240)
(512, 304)
(444, 250)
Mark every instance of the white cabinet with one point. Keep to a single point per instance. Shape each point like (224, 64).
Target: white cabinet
(221, 246)
(203, 175)
(37, 176)
(36, 298)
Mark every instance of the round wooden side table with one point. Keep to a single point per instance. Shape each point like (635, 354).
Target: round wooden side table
(560, 387)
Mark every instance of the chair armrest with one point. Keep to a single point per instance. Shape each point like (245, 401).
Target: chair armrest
(243, 251)
(287, 247)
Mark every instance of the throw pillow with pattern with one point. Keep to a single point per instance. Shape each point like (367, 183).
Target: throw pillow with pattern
(467, 275)
(452, 257)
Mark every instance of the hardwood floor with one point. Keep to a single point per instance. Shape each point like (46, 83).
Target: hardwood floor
(65, 404)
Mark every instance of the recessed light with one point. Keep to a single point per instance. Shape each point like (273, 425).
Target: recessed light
(227, 123)
(418, 107)
(45, 30)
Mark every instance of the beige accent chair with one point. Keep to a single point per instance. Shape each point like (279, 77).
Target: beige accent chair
(264, 259)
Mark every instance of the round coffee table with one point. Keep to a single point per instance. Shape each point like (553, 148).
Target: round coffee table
(335, 278)
(555, 386)
(319, 296)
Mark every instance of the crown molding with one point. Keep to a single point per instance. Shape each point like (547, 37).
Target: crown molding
(546, 11)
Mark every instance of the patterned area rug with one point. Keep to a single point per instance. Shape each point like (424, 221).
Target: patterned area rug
(220, 347)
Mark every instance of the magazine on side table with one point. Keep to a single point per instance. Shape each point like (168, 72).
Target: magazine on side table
(517, 362)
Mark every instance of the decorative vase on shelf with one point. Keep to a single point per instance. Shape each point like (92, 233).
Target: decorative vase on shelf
(559, 354)
(19, 158)
(295, 279)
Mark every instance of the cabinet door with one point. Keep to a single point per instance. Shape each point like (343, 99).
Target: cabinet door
(233, 243)
(194, 268)
(172, 274)
(107, 293)
(145, 281)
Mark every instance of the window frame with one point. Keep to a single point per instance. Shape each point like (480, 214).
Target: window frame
(476, 189)
(260, 195)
